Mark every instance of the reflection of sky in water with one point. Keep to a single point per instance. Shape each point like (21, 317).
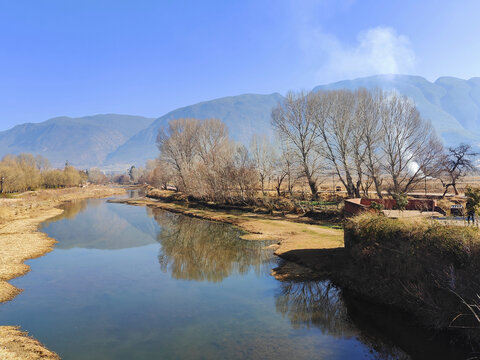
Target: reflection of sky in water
(127, 282)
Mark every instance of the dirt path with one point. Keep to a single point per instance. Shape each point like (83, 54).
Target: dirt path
(20, 240)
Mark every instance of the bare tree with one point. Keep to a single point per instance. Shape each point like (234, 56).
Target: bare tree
(159, 173)
(263, 155)
(457, 162)
(205, 162)
(290, 166)
(368, 135)
(411, 148)
(178, 146)
(96, 176)
(214, 152)
(293, 119)
(334, 114)
(243, 173)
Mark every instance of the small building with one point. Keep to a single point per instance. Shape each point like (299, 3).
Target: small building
(415, 207)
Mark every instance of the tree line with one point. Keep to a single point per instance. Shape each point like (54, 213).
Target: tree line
(199, 158)
(26, 172)
(367, 139)
(372, 142)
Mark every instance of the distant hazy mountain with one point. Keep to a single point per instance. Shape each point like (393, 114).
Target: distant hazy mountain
(451, 104)
(82, 141)
(118, 141)
(244, 115)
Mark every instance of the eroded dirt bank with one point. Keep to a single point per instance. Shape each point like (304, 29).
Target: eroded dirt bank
(20, 240)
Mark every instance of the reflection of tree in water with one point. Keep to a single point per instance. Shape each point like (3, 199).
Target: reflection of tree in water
(320, 304)
(314, 303)
(201, 250)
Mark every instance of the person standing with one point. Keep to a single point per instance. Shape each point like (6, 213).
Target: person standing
(470, 211)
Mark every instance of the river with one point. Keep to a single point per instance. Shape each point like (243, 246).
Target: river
(129, 282)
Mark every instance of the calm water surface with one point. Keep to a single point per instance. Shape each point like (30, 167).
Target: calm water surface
(129, 282)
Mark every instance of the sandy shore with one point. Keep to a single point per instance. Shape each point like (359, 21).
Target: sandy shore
(20, 240)
(16, 344)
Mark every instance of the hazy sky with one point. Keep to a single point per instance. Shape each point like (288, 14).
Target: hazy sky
(140, 57)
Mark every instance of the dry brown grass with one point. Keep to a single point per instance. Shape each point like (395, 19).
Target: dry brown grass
(19, 241)
(16, 344)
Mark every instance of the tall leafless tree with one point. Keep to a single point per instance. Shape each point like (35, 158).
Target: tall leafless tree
(334, 114)
(178, 146)
(263, 155)
(368, 135)
(409, 143)
(293, 119)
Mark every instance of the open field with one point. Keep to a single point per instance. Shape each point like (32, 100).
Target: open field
(20, 240)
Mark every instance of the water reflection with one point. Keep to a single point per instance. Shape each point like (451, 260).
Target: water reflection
(314, 303)
(200, 250)
(320, 304)
(122, 306)
(103, 226)
(386, 332)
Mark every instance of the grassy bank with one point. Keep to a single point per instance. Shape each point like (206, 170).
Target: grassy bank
(20, 240)
(421, 266)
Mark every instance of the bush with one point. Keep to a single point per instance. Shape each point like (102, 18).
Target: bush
(401, 200)
(378, 207)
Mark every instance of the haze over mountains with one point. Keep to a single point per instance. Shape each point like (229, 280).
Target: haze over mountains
(244, 115)
(84, 142)
(118, 141)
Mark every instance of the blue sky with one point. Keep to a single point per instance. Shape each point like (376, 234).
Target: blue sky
(75, 58)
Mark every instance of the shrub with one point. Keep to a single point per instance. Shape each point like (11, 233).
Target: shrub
(401, 200)
(378, 207)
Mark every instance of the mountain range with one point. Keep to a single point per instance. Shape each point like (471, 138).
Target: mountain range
(83, 142)
(117, 141)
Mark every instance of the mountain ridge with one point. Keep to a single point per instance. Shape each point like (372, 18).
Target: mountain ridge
(83, 141)
(116, 141)
(248, 110)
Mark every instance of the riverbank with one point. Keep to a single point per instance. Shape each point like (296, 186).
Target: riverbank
(306, 243)
(291, 231)
(20, 240)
